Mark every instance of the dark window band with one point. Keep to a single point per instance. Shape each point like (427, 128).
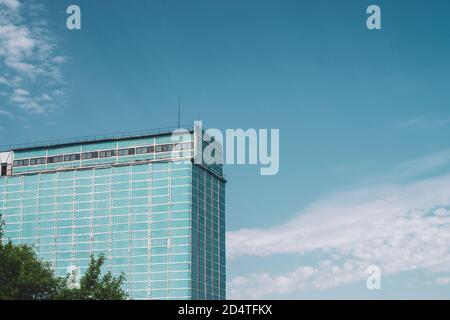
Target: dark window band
(102, 154)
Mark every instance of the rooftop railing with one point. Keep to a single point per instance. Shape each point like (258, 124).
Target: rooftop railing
(92, 138)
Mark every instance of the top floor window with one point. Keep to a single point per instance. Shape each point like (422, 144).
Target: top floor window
(21, 163)
(89, 155)
(143, 150)
(55, 159)
(37, 161)
(167, 147)
(127, 152)
(101, 154)
(107, 154)
(72, 157)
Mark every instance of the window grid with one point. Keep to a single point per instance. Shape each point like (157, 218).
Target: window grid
(80, 212)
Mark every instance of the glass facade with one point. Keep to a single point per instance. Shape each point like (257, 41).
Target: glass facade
(156, 215)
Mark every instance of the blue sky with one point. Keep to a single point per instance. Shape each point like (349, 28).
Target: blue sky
(363, 116)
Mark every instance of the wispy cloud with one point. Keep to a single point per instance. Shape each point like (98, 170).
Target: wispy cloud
(5, 113)
(443, 281)
(399, 228)
(423, 123)
(31, 68)
(4, 81)
(425, 164)
(10, 4)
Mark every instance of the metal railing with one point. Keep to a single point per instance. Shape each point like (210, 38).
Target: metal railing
(92, 138)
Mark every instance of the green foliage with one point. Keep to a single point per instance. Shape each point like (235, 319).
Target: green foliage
(24, 276)
(2, 223)
(95, 287)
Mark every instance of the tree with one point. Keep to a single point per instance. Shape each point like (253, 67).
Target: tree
(24, 276)
(95, 287)
(2, 224)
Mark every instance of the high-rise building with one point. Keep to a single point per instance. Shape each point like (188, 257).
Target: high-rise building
(140, 199)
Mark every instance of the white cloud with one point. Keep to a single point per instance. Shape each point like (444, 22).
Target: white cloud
(59, 59)
(46, 97)
(17, 45)
(10, 4)
(422, 123)
(27, 51)
(398, 228)
(28, 102)
(6, 113)
(21, 92)
(257, 286)
(3, 80)
(424, 164)
(443, 281)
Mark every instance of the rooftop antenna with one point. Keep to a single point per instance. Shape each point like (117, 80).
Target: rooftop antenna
(179, 112)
